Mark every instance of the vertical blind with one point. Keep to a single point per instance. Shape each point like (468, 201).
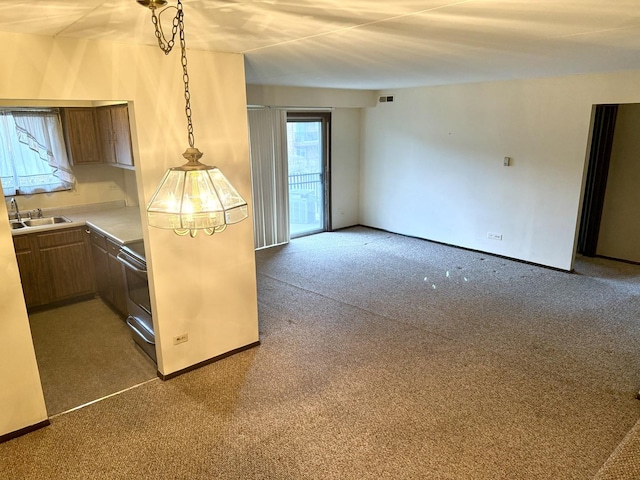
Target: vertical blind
(269, 176)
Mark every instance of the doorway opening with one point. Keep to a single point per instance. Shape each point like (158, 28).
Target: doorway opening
(604, 124)
(610, 221)
(308, 178)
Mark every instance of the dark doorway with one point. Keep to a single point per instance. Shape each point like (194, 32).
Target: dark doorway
(604, 123)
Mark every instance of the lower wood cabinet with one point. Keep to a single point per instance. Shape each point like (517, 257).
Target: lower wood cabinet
(55, 265)
(110, 282)
(33, 286)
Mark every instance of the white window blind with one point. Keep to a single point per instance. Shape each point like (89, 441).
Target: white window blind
(269, 176)
(33, 158)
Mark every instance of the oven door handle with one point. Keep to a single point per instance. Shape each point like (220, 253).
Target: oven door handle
(143, 335)
(123, 260)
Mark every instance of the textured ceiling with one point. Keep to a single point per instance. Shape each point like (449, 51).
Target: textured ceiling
(369, 44)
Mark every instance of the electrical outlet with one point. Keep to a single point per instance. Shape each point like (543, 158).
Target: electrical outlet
(177, 340)
(494, 236)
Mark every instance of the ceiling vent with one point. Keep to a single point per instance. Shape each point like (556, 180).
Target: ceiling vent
(386, 98)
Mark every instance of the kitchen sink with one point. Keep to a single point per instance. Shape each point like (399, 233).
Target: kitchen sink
(37, 222)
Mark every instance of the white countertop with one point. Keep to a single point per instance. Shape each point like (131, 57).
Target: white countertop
(121, 223)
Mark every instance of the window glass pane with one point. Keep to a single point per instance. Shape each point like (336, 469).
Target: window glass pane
(306, 197)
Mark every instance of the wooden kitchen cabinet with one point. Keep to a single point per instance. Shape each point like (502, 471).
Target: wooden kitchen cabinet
(68, 258)
(54, 265)
(101, 265)
(81, 135)
(105, 134)
(110, 280)
(115, 135)
(26, 247)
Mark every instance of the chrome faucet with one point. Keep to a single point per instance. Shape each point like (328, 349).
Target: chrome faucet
(14, 204)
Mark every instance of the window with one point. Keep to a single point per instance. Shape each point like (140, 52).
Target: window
(289, 174)
(308, 162)
(33, 158)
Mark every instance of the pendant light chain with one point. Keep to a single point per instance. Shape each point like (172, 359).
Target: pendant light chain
(192, 197)
(178, 25)
(185, 78)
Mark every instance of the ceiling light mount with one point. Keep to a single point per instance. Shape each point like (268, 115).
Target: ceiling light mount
(152, 3)
(194, 196)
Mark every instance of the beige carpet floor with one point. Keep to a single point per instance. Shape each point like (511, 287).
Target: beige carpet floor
(382, 357)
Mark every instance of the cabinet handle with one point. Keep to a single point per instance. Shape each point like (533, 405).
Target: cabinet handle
(87, 231)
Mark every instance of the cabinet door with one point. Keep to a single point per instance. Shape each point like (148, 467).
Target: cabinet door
(31, 270)
(122, 135)
(110, 281)
(68, 257)
(106, 134)
(101, 266)
(81, 136)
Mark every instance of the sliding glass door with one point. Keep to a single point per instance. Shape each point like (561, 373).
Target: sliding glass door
(308, 164)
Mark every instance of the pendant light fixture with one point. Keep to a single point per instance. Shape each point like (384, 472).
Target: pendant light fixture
(193, 196)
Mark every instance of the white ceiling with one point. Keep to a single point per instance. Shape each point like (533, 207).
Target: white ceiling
(369, 44)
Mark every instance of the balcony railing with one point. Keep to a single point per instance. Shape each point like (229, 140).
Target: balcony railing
(305, 201)
(306, 182)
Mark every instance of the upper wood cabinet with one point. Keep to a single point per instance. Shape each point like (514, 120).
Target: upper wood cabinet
(103, 116)
(115, 135)
(81, 135)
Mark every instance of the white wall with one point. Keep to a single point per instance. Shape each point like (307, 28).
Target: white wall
(95, 184)
(620, 226)
(432, 162)
(345, 167)
(267, 95)
(21, 399)
(206, 286)
(346, 107)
